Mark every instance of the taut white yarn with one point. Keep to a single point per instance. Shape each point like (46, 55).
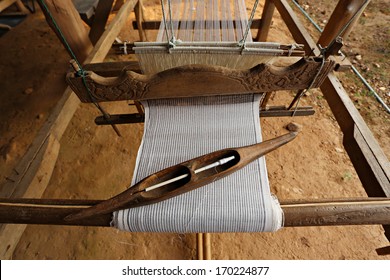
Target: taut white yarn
(177, 130)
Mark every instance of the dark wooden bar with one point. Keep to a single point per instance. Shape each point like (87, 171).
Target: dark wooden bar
(359, 211)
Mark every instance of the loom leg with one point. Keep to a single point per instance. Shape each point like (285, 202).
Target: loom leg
(342, 14)
(139, 16)
(266, 19)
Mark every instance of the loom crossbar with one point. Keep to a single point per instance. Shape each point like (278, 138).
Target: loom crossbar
(359, 211)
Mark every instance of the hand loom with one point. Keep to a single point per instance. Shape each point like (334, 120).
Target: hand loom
(203, 62)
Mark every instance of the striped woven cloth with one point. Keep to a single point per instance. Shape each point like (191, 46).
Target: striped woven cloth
(177, 130)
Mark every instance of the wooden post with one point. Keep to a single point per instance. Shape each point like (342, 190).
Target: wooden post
(207, 246)
(342, 14)
(71, 25)
(118, 4)
(55, 125)
(102, 12)
(139, 16)
(266, 19)
(199, 246)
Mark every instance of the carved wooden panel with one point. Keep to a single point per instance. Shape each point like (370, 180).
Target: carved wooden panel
(199, 80)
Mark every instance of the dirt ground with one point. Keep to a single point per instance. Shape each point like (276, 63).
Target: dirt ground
(94, 163)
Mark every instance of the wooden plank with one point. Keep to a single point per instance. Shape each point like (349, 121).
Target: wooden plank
(57, 122)
(68, 20)
(266, 20)
(364, 151)
(353, 211)
(42, 167)
(102, 12)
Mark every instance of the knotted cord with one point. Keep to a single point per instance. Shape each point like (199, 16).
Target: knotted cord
(77, 65)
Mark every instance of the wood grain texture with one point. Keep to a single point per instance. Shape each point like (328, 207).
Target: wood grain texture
(55, 126)
(352, 211)
(199, 80)
(68, 20)
(266, 20)
(139, 195)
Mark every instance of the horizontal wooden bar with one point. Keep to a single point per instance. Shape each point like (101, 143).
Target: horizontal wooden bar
(195, 80)
(272, 111)
(358, 211)
(281, 111)
(120, 119)
(155, 25)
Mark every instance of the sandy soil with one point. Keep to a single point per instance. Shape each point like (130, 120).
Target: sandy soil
(94, 163)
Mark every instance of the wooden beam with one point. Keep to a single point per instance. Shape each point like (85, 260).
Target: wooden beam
(68, 20)
(139, 16)
(352, 211)
(195, 80)
(266, 20)
(4, 4)
(102, 12)
(55, 126)
(298, 31)
(342, 14)
(370, 162)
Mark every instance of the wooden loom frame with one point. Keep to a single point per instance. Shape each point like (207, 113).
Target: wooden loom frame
(35, 168)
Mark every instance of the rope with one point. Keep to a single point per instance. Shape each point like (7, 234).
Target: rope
(248, 26)
(312, 82)
(79, 70)
(164, 19)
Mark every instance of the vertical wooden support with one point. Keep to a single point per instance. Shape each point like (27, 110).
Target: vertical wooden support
(139, 16)
(118, 4)
(264, 103)
(199, 246)
(53, 128)
(266, 19)
(102, 12)
(70, 24)
(342, 14)
(207, 246)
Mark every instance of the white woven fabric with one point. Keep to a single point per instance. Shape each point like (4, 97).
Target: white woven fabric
(177, 130)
